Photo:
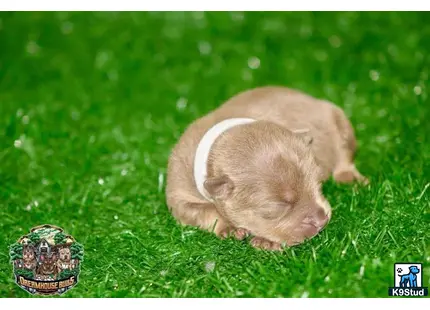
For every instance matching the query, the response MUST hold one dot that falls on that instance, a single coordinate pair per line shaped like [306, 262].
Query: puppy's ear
[305, 135]
[219, 187]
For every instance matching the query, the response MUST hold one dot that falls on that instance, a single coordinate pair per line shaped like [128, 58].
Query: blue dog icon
[410, 278]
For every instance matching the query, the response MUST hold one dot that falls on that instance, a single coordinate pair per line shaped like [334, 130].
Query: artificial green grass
[91, 104]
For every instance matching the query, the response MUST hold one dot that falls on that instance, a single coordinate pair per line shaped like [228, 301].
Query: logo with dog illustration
[46, 261]
[408, 280]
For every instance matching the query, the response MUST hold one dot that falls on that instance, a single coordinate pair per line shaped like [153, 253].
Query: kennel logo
[408, 280]
[46, 261]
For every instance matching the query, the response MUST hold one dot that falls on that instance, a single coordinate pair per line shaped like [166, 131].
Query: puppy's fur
[264, 177]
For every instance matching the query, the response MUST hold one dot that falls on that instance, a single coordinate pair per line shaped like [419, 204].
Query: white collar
[204, 147]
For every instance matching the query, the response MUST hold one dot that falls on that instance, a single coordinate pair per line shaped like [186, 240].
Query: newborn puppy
[255, 166]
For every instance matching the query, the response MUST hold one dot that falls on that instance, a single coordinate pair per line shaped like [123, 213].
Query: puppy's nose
[318, 219]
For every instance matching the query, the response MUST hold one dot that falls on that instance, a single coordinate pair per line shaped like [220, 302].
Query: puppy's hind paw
[350, 175]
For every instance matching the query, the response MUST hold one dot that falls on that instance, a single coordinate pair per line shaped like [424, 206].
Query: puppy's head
[64, 254]
[264, 178]
[51, 260]
[28, 252]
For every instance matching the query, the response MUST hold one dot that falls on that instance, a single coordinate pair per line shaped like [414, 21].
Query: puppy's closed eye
[273, 211]
[290, 196]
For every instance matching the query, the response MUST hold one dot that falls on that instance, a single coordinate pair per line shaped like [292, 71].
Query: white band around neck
[204, 147]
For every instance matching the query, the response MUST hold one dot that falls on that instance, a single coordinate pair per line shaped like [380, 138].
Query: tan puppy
[64, 259]
[262, 175]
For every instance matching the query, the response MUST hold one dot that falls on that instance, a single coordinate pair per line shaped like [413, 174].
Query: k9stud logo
[408, 280]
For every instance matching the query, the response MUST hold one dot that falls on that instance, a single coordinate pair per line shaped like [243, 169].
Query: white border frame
[393, 303]
[218, 5]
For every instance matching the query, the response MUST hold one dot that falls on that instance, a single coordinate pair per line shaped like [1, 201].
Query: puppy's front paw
[261, 243]
[238, 233]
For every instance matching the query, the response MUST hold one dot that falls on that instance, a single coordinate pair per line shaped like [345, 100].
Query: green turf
[102, 97]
